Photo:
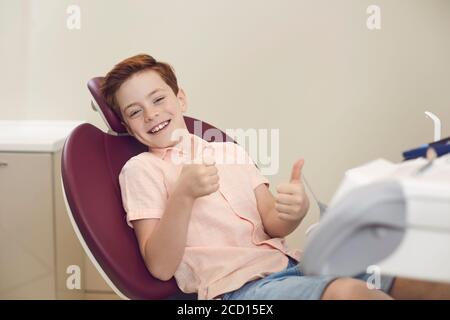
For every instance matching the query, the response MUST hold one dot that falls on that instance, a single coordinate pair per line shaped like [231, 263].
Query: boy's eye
[159, 99]
[135, 112]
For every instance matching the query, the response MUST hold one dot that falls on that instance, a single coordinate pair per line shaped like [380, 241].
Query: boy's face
[150, 109]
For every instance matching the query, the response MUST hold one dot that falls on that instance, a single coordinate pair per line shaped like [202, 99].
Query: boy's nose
[150, 114]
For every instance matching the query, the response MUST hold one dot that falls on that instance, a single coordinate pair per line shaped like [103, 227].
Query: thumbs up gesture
[291, 200]
[199, 176]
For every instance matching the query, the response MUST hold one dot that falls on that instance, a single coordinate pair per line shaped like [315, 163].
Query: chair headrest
[110, 118]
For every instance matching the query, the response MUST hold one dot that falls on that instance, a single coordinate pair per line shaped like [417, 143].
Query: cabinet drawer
[26, 226]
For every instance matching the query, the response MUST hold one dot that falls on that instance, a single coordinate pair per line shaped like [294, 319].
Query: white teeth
[159, 127]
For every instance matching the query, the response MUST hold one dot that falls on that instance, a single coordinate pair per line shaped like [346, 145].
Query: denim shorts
[292, 284]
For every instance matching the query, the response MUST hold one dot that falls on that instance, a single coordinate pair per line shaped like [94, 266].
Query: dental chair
[91, 163]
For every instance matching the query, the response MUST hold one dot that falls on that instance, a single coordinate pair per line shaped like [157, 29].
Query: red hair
[130, 66]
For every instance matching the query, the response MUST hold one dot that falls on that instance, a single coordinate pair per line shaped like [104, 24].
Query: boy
[213, 226]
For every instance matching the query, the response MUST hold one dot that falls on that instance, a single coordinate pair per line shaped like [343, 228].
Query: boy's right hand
[198, 180]
[199, 177]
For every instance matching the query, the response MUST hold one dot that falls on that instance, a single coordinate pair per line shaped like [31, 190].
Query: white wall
[339, 93]
[14, 40]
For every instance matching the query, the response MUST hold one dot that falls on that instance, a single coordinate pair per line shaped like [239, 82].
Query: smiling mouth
[159, 127]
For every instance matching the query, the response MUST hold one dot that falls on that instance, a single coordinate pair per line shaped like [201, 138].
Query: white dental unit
[394, 216]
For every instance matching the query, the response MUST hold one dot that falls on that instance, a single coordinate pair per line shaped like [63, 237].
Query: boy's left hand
[291, 200]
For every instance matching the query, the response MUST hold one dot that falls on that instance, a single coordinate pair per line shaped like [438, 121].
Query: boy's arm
[162, 241]
[282, 214]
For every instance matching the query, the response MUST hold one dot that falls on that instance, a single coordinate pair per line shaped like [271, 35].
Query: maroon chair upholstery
[110, 118]
[91, 163]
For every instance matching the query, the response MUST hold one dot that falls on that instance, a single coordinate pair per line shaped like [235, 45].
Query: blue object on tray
[441, 147]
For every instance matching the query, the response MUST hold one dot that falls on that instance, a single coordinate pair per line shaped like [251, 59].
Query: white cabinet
[27, 251]
[37, 242]
[36, 239]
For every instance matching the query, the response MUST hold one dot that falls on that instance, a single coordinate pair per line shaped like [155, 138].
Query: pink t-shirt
[226, 244]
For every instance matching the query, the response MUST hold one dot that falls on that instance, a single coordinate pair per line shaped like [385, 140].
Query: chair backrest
[91, 163]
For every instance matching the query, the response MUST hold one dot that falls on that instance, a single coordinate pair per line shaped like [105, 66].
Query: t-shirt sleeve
[143, 191]
[256, 178]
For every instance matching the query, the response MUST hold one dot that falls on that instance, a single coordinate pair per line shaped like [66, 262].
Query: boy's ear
[127, 127]
[182, 99]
